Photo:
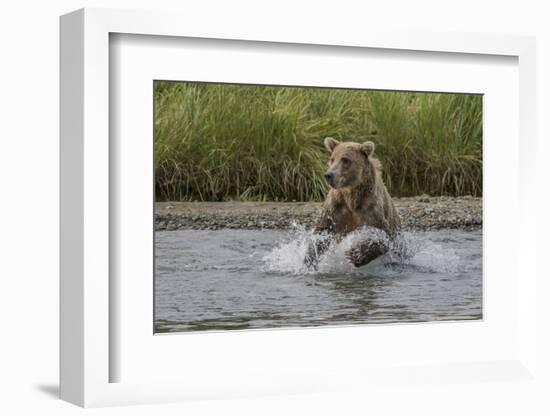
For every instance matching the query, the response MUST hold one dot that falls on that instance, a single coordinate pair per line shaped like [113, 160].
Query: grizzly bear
[358, 198]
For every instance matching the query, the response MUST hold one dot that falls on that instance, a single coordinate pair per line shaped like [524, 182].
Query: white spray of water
[410, 249]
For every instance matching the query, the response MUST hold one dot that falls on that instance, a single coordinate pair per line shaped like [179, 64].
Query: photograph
[302, 207]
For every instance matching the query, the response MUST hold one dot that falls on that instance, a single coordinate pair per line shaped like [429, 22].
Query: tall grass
[218, 142]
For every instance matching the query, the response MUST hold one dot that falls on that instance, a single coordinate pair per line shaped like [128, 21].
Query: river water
[244, 279]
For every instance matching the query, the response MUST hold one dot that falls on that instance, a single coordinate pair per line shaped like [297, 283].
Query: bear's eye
[346, 162]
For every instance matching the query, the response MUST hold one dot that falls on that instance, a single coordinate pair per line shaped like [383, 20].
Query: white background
[29, 209]
[137, 61]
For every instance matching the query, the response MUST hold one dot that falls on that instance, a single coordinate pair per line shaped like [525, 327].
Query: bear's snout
[329, 176]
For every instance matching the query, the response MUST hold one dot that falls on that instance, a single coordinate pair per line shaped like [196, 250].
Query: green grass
[217, 142]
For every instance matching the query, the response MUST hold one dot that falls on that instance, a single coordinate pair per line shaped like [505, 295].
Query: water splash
[409, 251]
[288, 256]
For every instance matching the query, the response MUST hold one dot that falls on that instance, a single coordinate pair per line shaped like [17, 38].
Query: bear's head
[350, 164]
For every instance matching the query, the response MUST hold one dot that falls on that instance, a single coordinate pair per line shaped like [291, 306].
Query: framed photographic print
[277, 212]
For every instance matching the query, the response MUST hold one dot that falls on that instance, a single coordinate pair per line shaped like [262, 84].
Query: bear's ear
[331, 143]
[367, 148]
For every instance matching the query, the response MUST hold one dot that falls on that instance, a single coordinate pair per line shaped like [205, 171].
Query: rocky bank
[417, 213]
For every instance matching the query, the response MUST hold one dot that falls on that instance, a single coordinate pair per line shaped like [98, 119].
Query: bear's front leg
[315, 250]
[366, 251]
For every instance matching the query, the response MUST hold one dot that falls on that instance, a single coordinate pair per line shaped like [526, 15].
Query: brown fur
[358, 196]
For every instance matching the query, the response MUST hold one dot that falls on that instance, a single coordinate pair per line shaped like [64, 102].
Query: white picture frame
[87, 302]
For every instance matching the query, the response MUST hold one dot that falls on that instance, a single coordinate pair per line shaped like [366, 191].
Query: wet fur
[358, 199]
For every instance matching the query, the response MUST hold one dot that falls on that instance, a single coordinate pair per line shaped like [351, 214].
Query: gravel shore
[417, 213]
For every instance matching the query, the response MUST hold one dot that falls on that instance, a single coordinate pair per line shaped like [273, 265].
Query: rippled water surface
[241, 279]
